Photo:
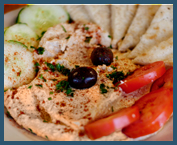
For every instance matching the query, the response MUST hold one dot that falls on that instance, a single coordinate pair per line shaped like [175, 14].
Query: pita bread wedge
[139, 25]
[78, 13]
[161, 28]
[100, 14]
[121, 18]
[161, 52]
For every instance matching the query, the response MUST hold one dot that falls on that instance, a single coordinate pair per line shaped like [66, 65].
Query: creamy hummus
[53, 115]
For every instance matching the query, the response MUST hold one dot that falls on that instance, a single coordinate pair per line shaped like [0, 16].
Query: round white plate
[13, 132]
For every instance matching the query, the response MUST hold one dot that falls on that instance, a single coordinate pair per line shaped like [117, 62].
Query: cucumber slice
[41, 17]
[23, 33]
[18, 65]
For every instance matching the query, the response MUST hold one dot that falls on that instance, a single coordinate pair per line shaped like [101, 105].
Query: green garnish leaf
[49, 98]
[109, 36]
[51, 66]
[112, 109]
[5, 90]
[31, 130]
[86, 28]
[54, 80]
[113, 67]
[9, 115]
[62, 69]
[76, 66]
[68, 37]
[110, 46]
[102, 88]
[45, 121]
[63, 28]
[116, 57]
[87, 40]
[33, 47]
[63, 86]
[42, 33]
[51, 92]
[42, 78]
[46, 137]
[38, 85]
[116, 76]
[40, 50]
[37, 67]
[30, 87]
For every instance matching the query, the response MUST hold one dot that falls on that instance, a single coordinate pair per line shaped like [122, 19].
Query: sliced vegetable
[108, 125]
[143, 76]
[18, 65]
[41, 17]
[165, 81]
[155, 110]
[22, 33]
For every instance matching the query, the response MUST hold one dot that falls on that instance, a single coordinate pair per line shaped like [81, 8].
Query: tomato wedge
[155, 109]
[143, 76]
[108, 125]
[165, 81]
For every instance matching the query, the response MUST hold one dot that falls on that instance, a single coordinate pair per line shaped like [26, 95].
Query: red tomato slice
[155, 109]
[143, 76]
[165, 81]
[108, 125]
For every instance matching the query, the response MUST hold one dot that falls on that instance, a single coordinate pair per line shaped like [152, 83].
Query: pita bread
[139, 25]
[161, 28]
[77, 13]
[100, 14]
[121, 18]
[163, 51]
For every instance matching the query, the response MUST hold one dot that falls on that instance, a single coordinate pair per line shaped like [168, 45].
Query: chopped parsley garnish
[37, 68]
[33, 47]
[112, 109]
[116, 57]
[63, 86]
[45, 121]
[116, 76]
[86, 28]
[30, 87]
[113, 67]
[31, 130]
[42, 33]
[38, 85]
[58, 67]
[87, 40]
[8, 114]
[40, 50]
[62, 69]
[109, 36]
[110, 46]
[54, 80]
[49, 98]
[46, 137]
[5, 90]
[102, 88]
[83, 78]
[76, 66]
[51, 66]
[68, 37]
[63, 28]
[42, 78]
[51, 92]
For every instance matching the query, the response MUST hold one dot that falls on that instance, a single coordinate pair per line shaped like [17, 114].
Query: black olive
[102, 55]
[82, 77]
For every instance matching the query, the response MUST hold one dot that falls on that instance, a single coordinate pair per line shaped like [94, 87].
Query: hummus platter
[90, 72]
